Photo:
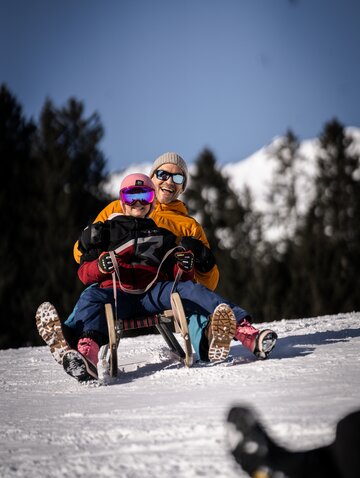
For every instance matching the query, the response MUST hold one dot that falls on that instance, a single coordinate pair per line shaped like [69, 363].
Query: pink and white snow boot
[259, 342]
[76, 365]
[81, 363]
[89, 349]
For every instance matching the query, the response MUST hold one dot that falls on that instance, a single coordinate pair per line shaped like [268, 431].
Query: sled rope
[176, 281]
[116, 274]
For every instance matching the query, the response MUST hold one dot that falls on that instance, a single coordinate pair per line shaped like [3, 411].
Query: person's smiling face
[137, 209]
[167, 191]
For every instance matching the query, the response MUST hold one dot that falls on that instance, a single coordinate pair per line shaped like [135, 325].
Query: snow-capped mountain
[257, 173]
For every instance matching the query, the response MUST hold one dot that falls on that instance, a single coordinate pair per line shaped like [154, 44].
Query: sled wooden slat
[113, 342]
[181, 323]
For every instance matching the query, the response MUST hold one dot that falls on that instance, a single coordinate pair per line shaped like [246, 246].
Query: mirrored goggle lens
[165, 175]
[131, 195]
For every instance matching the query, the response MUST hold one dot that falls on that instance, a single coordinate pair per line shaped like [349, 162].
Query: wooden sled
[163, 322]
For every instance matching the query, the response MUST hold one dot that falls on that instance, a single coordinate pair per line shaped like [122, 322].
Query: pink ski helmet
[138, 180]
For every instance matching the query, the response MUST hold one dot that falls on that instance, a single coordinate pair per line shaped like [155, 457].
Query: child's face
[137, 209]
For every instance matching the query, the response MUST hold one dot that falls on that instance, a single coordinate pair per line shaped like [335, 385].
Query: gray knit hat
[171, 158]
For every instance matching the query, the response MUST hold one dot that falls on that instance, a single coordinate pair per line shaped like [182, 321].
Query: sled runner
[182, 326]
[114, 339]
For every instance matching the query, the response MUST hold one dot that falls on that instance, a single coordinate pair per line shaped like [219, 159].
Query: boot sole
[223, 328]
[49, 327]
[265, 343]
[78, 367]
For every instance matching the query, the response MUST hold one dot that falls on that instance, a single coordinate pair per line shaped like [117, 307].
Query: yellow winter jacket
[175, 218]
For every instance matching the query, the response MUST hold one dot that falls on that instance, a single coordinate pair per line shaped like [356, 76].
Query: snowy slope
[159, 419]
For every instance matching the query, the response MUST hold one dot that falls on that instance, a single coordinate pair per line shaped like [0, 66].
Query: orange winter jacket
[175, 218]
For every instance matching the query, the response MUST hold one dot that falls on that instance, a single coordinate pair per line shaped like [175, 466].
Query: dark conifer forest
[53, 171]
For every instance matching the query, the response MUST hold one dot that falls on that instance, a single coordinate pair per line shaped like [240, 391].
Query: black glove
[203, 257]
[105, 263]
[93, 237]
[185, 260]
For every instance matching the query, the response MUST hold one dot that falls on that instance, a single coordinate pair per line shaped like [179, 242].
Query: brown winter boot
[49, 327]
[220, 332]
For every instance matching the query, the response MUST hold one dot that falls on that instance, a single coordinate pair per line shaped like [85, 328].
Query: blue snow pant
[198, 302]
[197, 324]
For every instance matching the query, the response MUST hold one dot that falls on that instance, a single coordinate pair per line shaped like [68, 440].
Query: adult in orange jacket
[170, 176]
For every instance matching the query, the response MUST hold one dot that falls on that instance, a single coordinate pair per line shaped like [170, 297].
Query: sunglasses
[162, 175]
[132, 194]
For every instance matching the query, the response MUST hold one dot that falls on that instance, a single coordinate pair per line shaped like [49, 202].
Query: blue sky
[229, 75]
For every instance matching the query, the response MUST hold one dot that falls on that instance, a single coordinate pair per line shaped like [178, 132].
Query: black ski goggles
[162, 175]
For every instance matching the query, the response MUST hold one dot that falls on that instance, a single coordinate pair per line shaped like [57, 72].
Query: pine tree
[253, 256]
[217, 207]
[16, 197]
[331, 236]
[52, 190]
[283, 191]
[281, 273]
[71, 170]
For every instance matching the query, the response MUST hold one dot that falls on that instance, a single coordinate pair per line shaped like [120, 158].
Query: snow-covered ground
[158, 419]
